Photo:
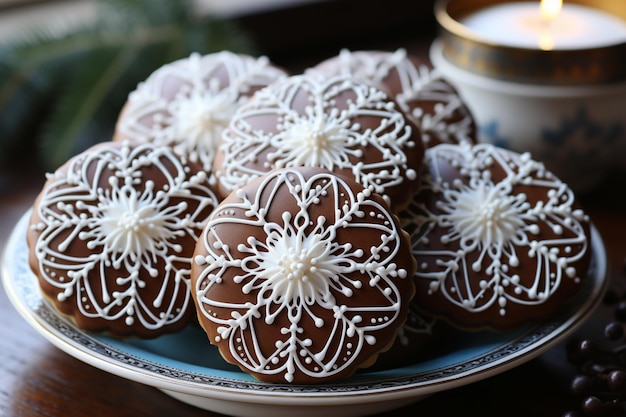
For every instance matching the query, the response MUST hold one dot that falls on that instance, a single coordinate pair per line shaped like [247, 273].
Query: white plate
[186, 367]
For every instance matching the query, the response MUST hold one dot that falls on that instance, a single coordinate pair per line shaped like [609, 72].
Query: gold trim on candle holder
[468, 50]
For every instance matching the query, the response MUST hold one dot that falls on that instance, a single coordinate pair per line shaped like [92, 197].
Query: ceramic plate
[186, 367]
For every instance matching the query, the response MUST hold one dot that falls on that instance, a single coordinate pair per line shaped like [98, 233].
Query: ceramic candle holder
[567, 107]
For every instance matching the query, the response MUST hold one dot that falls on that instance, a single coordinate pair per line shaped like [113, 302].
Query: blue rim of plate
[200, 371]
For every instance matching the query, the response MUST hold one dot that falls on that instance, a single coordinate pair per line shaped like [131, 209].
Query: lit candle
[550, 25]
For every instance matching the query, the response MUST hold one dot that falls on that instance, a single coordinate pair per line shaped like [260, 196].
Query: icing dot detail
[336, 124]
[186, 104]
[421, 92]
[304, 287]
[494, 231]
[117, 238]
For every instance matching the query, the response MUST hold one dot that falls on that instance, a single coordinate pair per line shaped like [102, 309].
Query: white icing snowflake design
[490, 226]
[422, 93]
[300, 274]
[187, 104]
[108, 235]
[448, 121]
[371, 66]
[302, 121]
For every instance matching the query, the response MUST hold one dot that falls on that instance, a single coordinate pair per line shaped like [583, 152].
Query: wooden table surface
[38, 379]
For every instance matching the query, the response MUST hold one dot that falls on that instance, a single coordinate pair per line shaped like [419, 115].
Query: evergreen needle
[61, 90]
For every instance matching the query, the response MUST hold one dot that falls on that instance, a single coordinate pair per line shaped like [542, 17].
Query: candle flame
[550, 9]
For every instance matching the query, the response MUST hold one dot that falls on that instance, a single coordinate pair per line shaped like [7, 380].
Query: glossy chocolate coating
[301, 277]
[111, 236]
[430, 101]
[499, 241]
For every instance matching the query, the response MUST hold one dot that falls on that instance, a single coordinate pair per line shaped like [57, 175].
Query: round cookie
[111, 237]
[347, 127]
[302, 276]
[431, 102]
[187, 103]
[500, 242]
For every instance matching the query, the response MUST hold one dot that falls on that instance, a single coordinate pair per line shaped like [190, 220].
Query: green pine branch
[61, 92]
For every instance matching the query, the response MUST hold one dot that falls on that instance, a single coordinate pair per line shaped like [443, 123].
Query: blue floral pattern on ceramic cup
[578, 142]
[577, 131]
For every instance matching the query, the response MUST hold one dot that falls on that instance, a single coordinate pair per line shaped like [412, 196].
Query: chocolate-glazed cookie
[500, 242]
[347, 127]
[431, 102]
[302, 276]
[111, 237]
[187, 103]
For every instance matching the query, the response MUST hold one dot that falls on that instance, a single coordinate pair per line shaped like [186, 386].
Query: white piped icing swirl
[187, 103]
[430, 101]
[343, 126]
[112, 234]
[499, 240]
[302, 276]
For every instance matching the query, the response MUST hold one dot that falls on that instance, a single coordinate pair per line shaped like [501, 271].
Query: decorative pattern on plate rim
[24, 284]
